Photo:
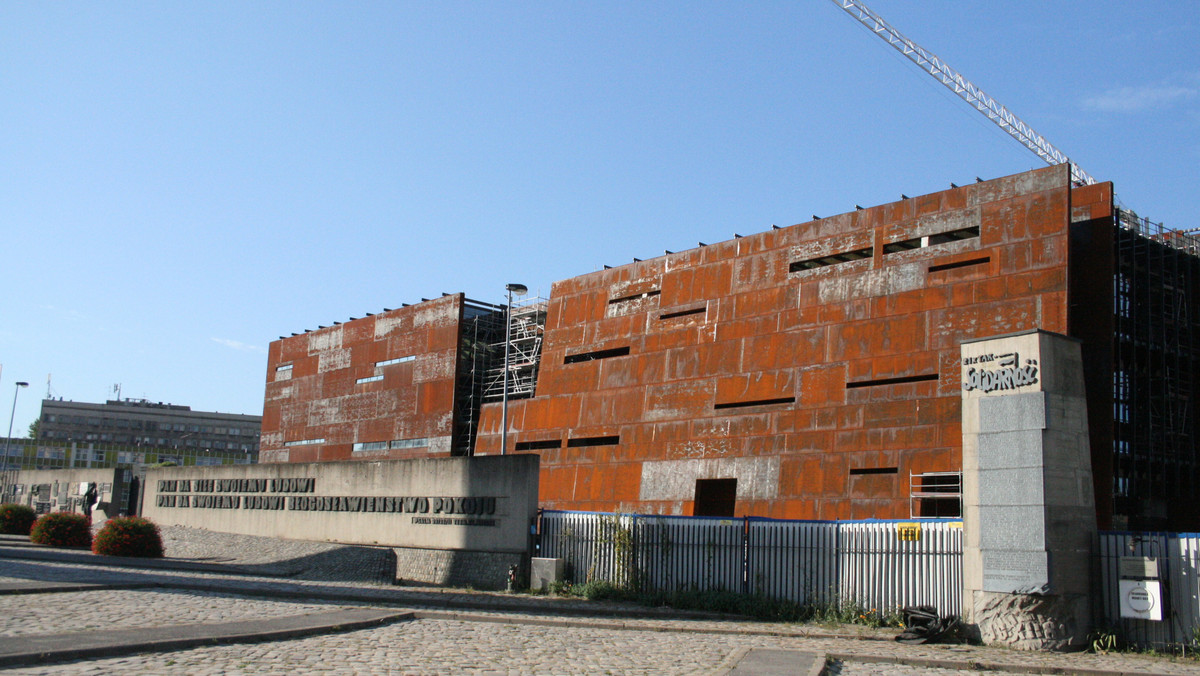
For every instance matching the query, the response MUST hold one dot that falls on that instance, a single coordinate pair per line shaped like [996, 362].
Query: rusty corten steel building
[808, 372]
[384, 386]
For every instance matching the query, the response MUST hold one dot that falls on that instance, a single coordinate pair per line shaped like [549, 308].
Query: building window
[283, 367]
[830, 259]
[397, 360]
[715, 497]
[369, 379]
[370, 446]
[935, 495]
[304, 442]
[410, 443]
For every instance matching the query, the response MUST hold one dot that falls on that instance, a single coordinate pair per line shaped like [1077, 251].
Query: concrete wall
[819, 387]
[1029, 515]
[314, 394]
[475, 504]
[58, 490]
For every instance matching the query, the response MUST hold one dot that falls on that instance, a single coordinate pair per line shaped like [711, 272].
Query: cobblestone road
[23, 615]
[502, 639]
[447, 647]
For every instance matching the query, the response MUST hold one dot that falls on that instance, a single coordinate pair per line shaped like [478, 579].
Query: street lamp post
[518, 290]
[8, 439]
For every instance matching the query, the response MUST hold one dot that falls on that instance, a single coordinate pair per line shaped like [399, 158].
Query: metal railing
[1178, 558]
[884, 565]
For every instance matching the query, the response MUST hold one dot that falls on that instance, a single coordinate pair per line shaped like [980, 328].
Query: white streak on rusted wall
[872, 283]
[437, 314]
[387, 324]
[433, 366]
[324, 339]
[440, 445]
[853, 241]
[757, 478]
[333, 359]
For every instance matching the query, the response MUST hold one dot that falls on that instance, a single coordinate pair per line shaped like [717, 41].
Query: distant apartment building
[141, 423]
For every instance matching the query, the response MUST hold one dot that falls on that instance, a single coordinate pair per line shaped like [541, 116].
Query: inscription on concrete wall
[994, 372]
[249, 495]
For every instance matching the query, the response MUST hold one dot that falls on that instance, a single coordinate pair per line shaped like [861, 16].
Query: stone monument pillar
[1028, 509]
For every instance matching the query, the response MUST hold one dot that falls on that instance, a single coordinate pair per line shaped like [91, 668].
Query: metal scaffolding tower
[1156, 292]
[527, 324]
[482, 327]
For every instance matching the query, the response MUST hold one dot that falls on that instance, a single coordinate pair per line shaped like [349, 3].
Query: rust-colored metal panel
[823, 346]
[341, 390]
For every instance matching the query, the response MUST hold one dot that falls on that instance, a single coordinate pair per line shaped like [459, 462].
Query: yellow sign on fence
[908, 531]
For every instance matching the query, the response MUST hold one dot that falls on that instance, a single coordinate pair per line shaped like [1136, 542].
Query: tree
[33, 428]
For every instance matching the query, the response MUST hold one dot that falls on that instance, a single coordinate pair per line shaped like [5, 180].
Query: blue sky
[182, 183]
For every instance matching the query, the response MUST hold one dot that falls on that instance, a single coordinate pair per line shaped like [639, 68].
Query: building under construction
[810, 371]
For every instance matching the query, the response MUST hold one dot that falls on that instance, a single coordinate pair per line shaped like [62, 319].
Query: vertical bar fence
[1178, 557]
[884, 565]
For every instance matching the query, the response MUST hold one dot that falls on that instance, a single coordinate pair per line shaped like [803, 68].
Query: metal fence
[1178, 558]
[883, 565]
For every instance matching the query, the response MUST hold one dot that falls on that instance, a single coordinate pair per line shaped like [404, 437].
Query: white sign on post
[1141, 599]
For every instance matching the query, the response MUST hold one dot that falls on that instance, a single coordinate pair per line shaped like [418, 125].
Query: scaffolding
[1155, 362]
[482, 327]
[527, 322]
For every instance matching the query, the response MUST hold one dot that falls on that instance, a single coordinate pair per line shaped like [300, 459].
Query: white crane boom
[963, 87]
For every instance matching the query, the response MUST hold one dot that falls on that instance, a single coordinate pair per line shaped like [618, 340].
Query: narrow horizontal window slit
[683, 313]
[923, 378]
[636, 296]
[831, 259]
[538, 445]
[756, 402]
[597, 354]
[593, 441]
[873, 470]
[960, 264]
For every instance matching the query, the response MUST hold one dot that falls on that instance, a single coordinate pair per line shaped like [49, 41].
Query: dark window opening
[930, 240]
[596, 354]
[959, 264]
[636, 296]
[715, 497]
[757, 402]
[538, 445]
[831, 259]
[873, 470]
[923, 378]
[683, 313]
[936, 495]
[593, 441]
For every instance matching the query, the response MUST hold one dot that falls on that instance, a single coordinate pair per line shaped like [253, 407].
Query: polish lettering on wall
[998, 372]
[265, 495]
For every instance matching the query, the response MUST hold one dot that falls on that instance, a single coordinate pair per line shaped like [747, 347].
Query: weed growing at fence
[749, 605]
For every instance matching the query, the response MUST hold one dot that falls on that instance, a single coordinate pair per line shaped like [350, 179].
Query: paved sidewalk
[446, 631]
[109, 641]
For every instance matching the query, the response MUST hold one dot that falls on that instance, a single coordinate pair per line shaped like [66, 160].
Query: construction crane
[964, 88]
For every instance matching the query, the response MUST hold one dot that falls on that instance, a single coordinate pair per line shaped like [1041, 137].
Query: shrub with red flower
[16, 519]
[129, 536]
[62, 529]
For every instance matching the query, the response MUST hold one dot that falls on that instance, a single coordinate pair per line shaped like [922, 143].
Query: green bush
[62, 529]
[129, 536]
[16, 519]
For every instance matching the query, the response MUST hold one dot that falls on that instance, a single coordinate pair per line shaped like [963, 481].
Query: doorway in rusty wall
[715, 497]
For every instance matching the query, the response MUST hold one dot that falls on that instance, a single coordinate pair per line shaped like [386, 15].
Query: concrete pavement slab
[108, 643]
[771, 662]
